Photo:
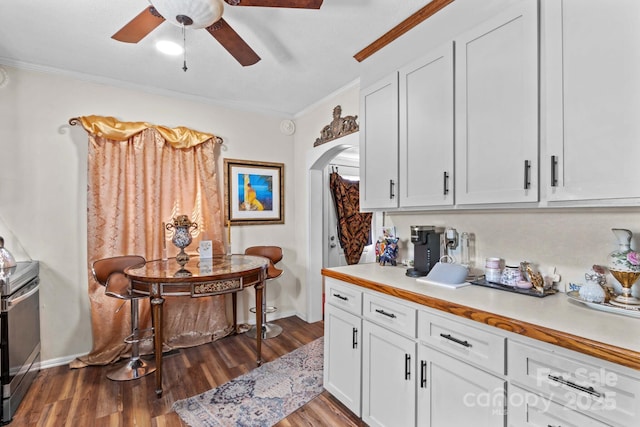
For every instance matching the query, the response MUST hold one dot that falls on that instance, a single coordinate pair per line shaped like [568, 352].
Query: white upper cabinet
[496, 109]
[426, 130]
[591, 100]
[379, 144]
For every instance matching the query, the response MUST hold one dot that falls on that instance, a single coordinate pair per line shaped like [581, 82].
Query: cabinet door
[379, 144]
[388, 378]
[342, 356]
[453, 393]
[497, 109]
[426, 130]
[592, 99]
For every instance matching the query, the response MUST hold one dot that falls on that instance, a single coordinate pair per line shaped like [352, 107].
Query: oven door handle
[13, 301]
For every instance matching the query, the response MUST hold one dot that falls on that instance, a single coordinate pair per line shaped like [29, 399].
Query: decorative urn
[182, 227]
[624, 265]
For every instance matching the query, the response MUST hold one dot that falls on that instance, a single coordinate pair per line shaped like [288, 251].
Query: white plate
[633, 311]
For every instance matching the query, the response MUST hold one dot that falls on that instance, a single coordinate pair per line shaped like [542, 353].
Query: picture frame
[253, 192]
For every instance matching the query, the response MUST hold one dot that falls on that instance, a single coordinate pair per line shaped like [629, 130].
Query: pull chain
[184, 43]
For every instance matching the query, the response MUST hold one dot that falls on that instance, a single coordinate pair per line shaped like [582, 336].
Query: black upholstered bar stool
[109, 272]
[274, 254]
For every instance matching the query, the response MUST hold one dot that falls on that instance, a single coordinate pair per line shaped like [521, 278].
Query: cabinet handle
[589, 390]
[341, 297]
[391, 315]
[527, 169]
[456, 340]
[554, 166]
[407, 366]
[446, 182]
[355, 337]
[391, 185]
[423, 374]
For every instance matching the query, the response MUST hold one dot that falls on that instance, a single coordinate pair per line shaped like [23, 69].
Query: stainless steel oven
[19, 333]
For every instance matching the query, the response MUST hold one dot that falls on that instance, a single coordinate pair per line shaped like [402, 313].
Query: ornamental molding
[339, 126]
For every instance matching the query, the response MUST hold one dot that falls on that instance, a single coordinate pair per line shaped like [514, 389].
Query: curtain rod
[76, 121]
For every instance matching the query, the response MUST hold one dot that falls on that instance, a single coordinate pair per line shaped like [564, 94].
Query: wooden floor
[85, 397]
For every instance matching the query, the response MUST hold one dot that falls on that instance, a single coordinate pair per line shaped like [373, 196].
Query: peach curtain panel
[134, 185]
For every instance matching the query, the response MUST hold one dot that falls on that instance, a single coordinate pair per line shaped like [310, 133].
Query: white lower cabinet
[528, 409]
[388, 377]
[454, 393]
[343, 356]
[396, 363]
[576, 382]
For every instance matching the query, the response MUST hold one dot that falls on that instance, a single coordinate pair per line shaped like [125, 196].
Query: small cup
[511, 275]
[493, 275]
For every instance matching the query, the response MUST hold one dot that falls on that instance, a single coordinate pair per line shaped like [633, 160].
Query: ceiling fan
[203, 14]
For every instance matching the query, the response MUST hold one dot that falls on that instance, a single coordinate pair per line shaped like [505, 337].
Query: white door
[592, 99]
[342, 356]
[426, 130]
[379, 144]
[388, 378]
[497, 109]
[453, 393]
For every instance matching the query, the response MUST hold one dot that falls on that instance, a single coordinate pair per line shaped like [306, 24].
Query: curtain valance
[111, 128]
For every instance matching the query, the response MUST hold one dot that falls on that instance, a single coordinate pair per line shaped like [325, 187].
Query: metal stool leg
[135, 367]
[269, 330]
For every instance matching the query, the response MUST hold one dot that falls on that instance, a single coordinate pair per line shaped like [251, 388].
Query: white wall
[309, 123]
[572, 240]
[43, 188]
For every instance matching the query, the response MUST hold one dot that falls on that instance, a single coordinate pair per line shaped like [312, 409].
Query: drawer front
[385, 312]
[527, 409]
[473, 345]
[581, 383]
[342, 295]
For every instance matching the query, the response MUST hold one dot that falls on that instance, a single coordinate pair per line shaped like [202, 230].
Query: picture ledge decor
[253, 192]
[339, 126]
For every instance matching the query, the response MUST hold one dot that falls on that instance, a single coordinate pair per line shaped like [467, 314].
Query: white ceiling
[306, 54]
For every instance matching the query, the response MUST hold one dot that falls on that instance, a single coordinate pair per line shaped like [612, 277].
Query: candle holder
[182, 228]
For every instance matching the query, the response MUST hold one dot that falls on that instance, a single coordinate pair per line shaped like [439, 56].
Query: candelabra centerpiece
[182, 228]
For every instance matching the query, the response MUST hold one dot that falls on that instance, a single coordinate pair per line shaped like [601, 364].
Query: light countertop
[555, 319]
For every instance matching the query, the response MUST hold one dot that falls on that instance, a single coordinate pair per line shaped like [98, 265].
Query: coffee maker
[428, 247]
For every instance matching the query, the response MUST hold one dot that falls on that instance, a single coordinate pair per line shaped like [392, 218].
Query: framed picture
[254, 192]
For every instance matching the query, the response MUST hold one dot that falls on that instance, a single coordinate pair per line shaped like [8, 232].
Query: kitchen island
[516, 346]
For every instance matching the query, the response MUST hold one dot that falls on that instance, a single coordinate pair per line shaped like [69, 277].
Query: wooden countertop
[555, 319]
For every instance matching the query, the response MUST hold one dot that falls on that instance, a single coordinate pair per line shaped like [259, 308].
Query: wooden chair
[274, 254]
[109, 272]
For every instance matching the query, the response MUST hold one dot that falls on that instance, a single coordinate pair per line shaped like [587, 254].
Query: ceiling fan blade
[234, 44]
[139, 26]
[300, 4]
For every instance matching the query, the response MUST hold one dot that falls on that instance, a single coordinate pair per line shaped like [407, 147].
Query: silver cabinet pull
[554, 174]
[527, 170]
[561, 380]
[391, 186]
[384, 313]
[455, 340]
[446, 182]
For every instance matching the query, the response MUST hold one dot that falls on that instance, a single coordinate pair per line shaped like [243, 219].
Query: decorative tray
[631, 310]
[531, 291]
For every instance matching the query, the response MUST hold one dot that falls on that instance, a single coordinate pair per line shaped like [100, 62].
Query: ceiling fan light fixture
[202, 12]
[169, 48]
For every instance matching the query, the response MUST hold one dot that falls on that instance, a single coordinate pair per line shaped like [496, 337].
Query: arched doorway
[316, 163]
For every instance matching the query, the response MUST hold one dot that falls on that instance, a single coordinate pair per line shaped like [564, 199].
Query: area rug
[262, 397]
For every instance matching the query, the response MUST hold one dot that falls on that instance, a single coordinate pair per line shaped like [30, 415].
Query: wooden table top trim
[614, 354]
